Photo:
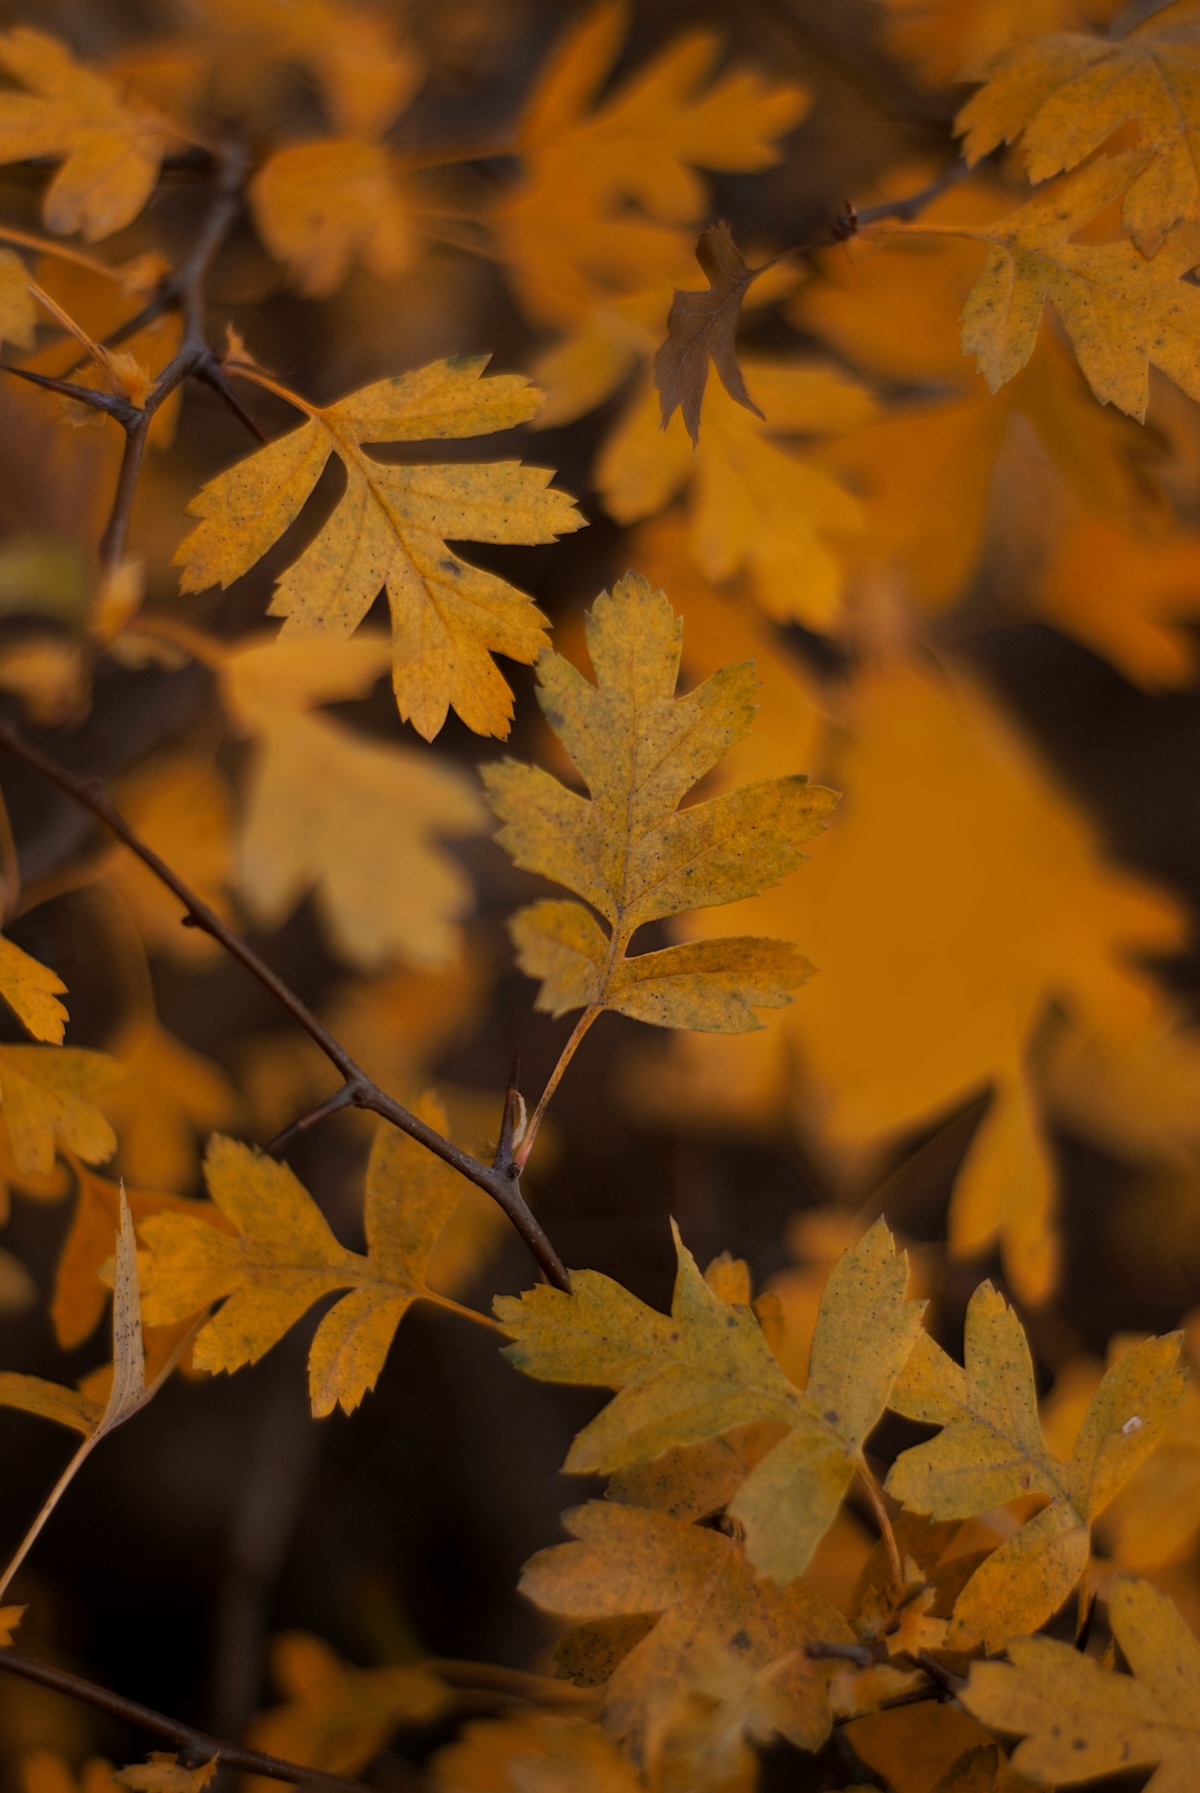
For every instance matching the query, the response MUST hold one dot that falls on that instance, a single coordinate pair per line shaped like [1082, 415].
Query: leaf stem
[464, 1313]
[503, 1184]
[521, 1155]
[874, 1494]
[24, 239]
[48, 1505]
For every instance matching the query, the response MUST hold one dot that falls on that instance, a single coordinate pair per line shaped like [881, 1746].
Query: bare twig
[861, 1655]
[504, 1186]
[199, 1746]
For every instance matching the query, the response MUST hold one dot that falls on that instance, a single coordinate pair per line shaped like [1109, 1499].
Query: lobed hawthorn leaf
[704, 1598]
[1080, 1720]
[32, 990]
[319, 206]
[535, 1753]
[389, 529]
[609, 180]
[1122, 312]
[266, 1252]
[109, 149]
[1063, 95]
[337, 1717]
[708, 1370]
[704, 325]
[49, 1096]
[991, 1450]
[629, 850]
[357, 820]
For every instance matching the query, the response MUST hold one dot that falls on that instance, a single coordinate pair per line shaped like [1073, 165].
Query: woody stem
[502, 1183]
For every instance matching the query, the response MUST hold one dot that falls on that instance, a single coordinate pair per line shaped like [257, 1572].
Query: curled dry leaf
[704, 325]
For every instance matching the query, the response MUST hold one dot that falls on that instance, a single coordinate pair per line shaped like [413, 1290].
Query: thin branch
[213, 374]
[114, 405]
[342, 1098]
[199, 1746]
[503, 1186]
[116, 531]
[850, 221]
[861, 1655]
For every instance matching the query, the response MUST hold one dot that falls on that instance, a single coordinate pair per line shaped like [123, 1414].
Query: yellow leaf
[991, 1449]
[571, 226]
[356, 820]
[275, 1255]
[1121, 312]
[168, 1095]
[955, 40]
[755, 504]
[708, 1370]
[163, 1773]
[47, 673]
[942, 943]
[1127, 598]
[926, 470]
[10, 1618]
[42, 1771]
[32, 990]
[321, 205]
[337, 1717]
[49, 1095]
[1080, 1720]
[1063, 96]
[533, 1753]
[630, 1561]
[366, 75]
[80, 1294]
[50, 1400]
[447, 617]
[914, 1746]
[628, 849]
[109, 150]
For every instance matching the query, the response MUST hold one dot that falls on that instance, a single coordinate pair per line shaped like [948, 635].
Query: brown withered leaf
[704, 325]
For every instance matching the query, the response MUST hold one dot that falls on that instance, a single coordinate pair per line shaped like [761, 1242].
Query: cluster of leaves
[970, 931]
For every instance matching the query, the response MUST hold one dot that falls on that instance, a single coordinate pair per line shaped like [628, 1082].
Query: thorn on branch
[112, 404]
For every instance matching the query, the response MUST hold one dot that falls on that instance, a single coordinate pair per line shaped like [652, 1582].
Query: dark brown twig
[199, 1747]
[112, 404]
[503, 1185]
[861, 1655]
[194, 358]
